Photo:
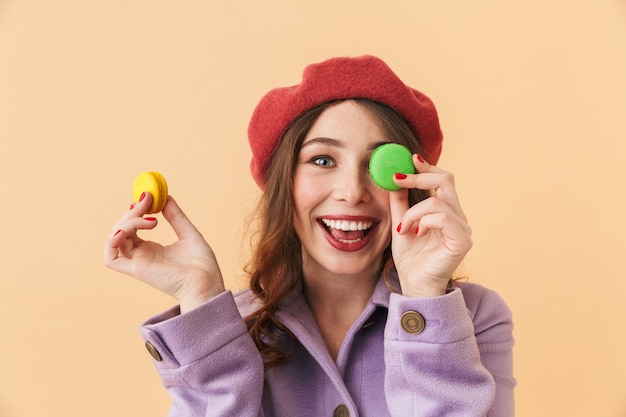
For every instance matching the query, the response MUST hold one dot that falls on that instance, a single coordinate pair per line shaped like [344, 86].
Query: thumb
[180, 223]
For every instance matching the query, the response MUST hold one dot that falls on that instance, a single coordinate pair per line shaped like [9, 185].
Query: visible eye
[323, 161]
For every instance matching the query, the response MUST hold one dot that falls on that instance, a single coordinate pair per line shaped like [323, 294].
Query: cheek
[301, 193]
[382, 200]
[305, 198]
[308, 190]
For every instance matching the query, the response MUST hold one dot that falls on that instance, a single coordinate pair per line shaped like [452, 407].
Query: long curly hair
[275, 266]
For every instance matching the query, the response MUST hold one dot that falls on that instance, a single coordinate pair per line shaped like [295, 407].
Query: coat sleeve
[460, 364]
[207, 360]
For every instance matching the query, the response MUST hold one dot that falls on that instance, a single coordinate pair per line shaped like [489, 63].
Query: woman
[352, 309]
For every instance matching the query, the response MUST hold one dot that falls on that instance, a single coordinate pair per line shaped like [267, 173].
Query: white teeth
[347, 225]
[349, 241]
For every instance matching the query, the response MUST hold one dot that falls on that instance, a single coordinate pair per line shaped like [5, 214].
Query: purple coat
[459, 365]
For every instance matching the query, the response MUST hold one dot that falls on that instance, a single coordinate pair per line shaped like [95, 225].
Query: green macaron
[387, 160]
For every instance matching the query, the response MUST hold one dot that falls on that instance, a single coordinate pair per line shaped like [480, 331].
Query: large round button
[413, 322]
[153, 352]
[341, 411]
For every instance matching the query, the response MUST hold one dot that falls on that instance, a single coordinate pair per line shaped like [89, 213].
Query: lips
[347, 234]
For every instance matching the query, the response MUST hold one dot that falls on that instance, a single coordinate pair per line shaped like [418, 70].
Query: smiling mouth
[347, 231]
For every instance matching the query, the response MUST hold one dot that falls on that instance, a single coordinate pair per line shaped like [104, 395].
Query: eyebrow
[338, 143]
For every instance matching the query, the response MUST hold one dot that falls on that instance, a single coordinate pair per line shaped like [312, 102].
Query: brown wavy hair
[275, 266]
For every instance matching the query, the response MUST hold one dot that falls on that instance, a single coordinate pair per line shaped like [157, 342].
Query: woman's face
[341, 217]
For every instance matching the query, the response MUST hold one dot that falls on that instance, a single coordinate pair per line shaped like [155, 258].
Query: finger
[180, 223]
[141, 207]
[121, 264]
[115, 255]
[398, 206]
[137, 209]
[456, 237]
[124, 239]
[430, 177]
[430, 206]
[131, 225]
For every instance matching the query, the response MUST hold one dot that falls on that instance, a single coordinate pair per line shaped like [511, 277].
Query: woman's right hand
[187, 269]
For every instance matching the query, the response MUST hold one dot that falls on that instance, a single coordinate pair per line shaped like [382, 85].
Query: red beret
[365, 77]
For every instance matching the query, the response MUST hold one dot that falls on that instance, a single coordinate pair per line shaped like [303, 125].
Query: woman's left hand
[430, 239]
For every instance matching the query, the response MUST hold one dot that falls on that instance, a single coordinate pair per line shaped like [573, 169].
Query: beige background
[532, 98]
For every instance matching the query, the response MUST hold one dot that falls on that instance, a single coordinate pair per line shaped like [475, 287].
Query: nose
[353, 185]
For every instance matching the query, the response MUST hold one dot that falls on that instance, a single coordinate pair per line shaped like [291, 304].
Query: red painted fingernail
[399, 227]
[417, 230]
[143, 195]
[399, 176]
[132, 206]
[419, 158]
[152, 219]
[118, 232]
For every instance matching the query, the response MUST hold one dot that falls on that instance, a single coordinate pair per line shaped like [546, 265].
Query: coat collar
[379, 298]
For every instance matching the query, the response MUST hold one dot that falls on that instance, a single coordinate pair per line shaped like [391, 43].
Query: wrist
[192, 301]
[424, 293]
[424, 290]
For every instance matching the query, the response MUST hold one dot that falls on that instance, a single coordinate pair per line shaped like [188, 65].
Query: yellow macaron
[153, 183]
